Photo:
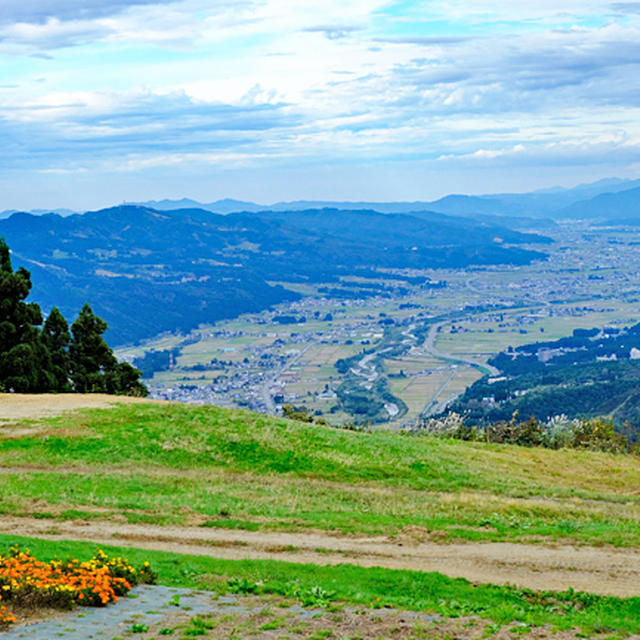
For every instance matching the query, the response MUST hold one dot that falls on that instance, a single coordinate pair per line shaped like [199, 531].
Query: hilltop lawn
[184, 464]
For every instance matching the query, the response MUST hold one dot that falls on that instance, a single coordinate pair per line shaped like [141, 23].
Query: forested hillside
[149, 271]
[619, 208]
[591, 373]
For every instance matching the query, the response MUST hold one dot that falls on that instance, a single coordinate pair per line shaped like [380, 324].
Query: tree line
[47, 356]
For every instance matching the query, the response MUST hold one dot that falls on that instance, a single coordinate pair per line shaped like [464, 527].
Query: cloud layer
[188, 93]
[40, 11]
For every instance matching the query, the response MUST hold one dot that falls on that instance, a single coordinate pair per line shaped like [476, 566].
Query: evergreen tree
[125, 379]
[93, 367]
[51, 360]
[89, 354]
[25, 365]
[56, 337]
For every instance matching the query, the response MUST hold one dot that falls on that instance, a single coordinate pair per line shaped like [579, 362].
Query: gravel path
[16, 407]
[145, 605]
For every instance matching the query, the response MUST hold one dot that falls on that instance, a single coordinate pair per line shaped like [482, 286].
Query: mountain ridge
[616, 207]
[189, 266]
[530, 205]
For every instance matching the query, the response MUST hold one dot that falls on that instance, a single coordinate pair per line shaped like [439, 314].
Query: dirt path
[598, 570]
[18, 406]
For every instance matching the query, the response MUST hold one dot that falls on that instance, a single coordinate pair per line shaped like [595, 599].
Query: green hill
[165, 463]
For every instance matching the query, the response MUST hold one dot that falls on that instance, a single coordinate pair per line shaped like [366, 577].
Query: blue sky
[103, 101]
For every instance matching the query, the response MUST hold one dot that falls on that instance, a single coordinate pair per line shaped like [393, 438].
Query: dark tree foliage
[94, 368]
[24, 361]
[34, 360]
[153, 361]
[124, 379]
[91, 358]
[56, 337]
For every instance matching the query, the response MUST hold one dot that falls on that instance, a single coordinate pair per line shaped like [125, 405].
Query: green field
[484, 336]
[184, 464]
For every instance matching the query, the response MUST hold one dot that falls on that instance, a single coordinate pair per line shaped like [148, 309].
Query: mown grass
[179, 464]
[430, 592]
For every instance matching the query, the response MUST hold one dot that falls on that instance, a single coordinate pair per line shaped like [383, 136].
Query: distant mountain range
[622, 207]
[147, 271]
[7, 213]
[611, 198]
[525, 210]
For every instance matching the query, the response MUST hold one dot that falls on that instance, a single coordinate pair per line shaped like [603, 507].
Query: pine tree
[56, 337]
[125, 379]
[90, 356]
[51, 360]
[92, 365]
[25, 365]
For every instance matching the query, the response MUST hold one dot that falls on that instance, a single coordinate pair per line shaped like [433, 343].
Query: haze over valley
[358, 313]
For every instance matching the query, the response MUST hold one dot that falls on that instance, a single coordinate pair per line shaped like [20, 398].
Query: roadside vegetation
[209, 466]
[559, 432]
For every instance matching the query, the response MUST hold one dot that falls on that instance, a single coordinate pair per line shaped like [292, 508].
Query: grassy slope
[177, 463]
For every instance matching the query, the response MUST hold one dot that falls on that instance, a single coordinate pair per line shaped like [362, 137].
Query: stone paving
[148, 605]
[144, 605]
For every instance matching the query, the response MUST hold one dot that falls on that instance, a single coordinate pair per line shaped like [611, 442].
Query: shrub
[529, 433]
[448, 426]
[560, 431]
[598, 434]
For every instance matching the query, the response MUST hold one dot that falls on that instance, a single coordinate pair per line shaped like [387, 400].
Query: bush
[530, 434]
[598, 434]
[560, 431]
[448, 426]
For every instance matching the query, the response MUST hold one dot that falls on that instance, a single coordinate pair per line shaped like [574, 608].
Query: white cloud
[158, 84]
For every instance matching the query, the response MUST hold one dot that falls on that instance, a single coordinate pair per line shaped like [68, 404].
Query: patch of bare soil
[273, 620]
[15, 407]
[606, 571]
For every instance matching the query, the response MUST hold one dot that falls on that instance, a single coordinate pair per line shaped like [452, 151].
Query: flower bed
[26, 582]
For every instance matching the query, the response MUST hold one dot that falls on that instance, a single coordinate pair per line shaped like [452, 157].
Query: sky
[104, 101]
